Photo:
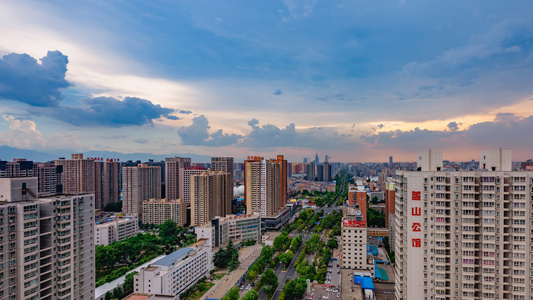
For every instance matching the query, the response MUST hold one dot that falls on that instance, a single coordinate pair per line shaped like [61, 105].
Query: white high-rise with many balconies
[464, 234]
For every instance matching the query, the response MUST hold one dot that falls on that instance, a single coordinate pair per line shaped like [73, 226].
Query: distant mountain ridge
[9, 153]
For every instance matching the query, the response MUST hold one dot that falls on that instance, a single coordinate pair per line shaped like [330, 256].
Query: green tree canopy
[251, 295]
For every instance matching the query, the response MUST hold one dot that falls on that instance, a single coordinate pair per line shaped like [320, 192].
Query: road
[291, 271]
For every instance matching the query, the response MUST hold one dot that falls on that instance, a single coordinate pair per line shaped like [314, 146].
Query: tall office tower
[224, 164]
[311, 171]
[464, 234]
[326, 159]
[390, 161]
[49, 179]
[157, 211]
[172, 175]
[357, 197]
[139, 184]
[390, 199]
[289, 169]
[210, 196]
[317, 160]
[265, 186]
[107, 182]
[46, 244]
[17, 168]
[327, 172]
[320, 172]
[305, 160]
[78, 174]
[185, 182]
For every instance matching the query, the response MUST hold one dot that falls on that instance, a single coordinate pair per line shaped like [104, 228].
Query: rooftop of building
[169, 260]
[198, 244]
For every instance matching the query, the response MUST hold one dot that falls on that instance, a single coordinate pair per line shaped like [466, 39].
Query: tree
[233, 294]
[280, 241]
[168, 231]
[202, 286]
[114, 206]
[117, 293]
[219, 259]
[251, 275]
[128, 283]
[332, 243]
[108, 295]
[251, 295]
[269, 278]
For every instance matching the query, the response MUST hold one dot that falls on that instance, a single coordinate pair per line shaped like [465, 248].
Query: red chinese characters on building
[416, 227]
[416, 195]
[416, 211]
[417, 243]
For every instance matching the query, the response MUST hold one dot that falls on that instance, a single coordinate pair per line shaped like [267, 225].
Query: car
[338, 295]
[339, 271]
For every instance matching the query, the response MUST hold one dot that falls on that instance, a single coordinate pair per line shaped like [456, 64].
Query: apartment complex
[49, 175]
[46, 244]
[185, 181]
[139, 184]
[172, 176]
[237, 228]
[224, 164]
[464, 234]
[157, 211]
[354, 242]
[116, 229]
[210, 196]
[176, 272]
[265, 185]
[108, 179]
[78, 174]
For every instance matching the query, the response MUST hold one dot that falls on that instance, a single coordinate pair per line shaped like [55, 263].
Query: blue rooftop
[170, 259]
[366, 282]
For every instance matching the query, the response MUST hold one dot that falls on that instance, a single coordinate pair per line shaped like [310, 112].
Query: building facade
[108, 180]
[464, 234]
[175, 273]
[224, 164]
[354, 242]
[265, 185]
[157, 211]
[172, 176]
[210, 196]
[139, 184]
[78, 174]
[46, 244]
[118, 229]
[238, 228]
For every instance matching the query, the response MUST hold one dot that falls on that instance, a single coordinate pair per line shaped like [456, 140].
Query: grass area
[198, 294]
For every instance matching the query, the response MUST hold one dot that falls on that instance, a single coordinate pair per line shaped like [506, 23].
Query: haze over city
[359, 81]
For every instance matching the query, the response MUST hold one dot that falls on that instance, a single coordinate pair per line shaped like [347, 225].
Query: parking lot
[325, 292]
[333, 276]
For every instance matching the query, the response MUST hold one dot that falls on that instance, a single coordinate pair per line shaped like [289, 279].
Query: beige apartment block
[139, 184]
[464, 234]
[157, 211]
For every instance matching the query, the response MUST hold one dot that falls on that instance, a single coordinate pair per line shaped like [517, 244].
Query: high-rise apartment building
[172, 176]
[158, 211]
[464, 234]
[265, 185]
[49, 179]
[78, 175]
[311, 171]
[139, 184]
[46, 244]
[224, 164]
[185, 176]
[390, 199]
[17, 168]
[210, 196]
[107, 181]
[327, 172]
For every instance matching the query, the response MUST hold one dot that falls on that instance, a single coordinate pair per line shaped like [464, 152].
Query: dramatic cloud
[506, 130]
[108, 112]
[278, 92]
[197, 134]
[25, 80]
[24, 134]
[141, 141]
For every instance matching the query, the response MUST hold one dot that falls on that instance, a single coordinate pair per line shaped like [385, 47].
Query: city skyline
[356, 81]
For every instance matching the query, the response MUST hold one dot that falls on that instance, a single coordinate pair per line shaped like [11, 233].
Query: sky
[355, 80]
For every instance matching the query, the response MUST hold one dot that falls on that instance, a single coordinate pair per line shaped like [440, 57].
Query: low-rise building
[176, 272]
[116, 229]
[157, 211]
[238, 228]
